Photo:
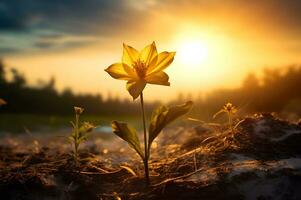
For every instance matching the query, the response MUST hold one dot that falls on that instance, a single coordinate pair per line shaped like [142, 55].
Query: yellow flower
[140, 68]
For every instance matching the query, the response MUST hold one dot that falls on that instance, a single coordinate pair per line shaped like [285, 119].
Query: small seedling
[140, 68]
[230, 110]
[79, 133]
[227, 139]
[36, 144]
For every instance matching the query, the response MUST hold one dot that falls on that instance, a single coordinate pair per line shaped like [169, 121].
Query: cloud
[104, 16]
[54, 19]
[68, 16]
[44, 44]
[62, 42]
[50, 35]
[285, 16]
[42, 22]
[8, 50]
[7, 19]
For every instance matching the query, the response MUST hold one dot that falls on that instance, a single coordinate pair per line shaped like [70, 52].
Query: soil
[261, 159]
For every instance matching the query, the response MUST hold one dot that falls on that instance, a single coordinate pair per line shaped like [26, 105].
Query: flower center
[140, 68]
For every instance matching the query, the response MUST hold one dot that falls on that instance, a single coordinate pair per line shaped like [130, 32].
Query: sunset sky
[217, 41]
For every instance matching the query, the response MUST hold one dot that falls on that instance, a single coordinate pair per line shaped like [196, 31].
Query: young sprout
[79, 132]
[139, 68]
[226, 139]
[230, 110]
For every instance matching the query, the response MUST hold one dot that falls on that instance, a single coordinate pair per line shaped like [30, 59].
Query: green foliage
[79, 132]
[161, 117]
[128, 134]
[79, 135]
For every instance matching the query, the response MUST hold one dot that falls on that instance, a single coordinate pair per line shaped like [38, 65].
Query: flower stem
[230, 123]
[76, 140]
[145, 141]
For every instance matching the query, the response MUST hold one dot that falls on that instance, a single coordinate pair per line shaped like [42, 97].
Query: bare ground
[261, 160]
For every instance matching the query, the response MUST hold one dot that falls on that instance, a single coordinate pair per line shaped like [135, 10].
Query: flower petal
[130, 55]
[135, 88]
[121, 71]
[159, 78]
[149, 53]
[164, 60]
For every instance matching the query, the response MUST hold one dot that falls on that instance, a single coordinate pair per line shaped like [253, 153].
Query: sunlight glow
[192, 52]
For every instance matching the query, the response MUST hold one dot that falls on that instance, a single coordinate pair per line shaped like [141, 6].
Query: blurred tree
[251, 82]
[18, 79]
[280, 90]
[2, 73]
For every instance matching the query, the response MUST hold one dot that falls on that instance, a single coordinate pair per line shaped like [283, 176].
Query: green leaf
[86, 127]
[129, 134]
[162, 116]
[82, 138]
[71, 139]
[72, 123]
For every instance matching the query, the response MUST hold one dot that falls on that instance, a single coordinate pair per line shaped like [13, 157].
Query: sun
[198, 53]
[192, 52]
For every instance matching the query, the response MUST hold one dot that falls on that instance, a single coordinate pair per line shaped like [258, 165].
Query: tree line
[278, 90]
